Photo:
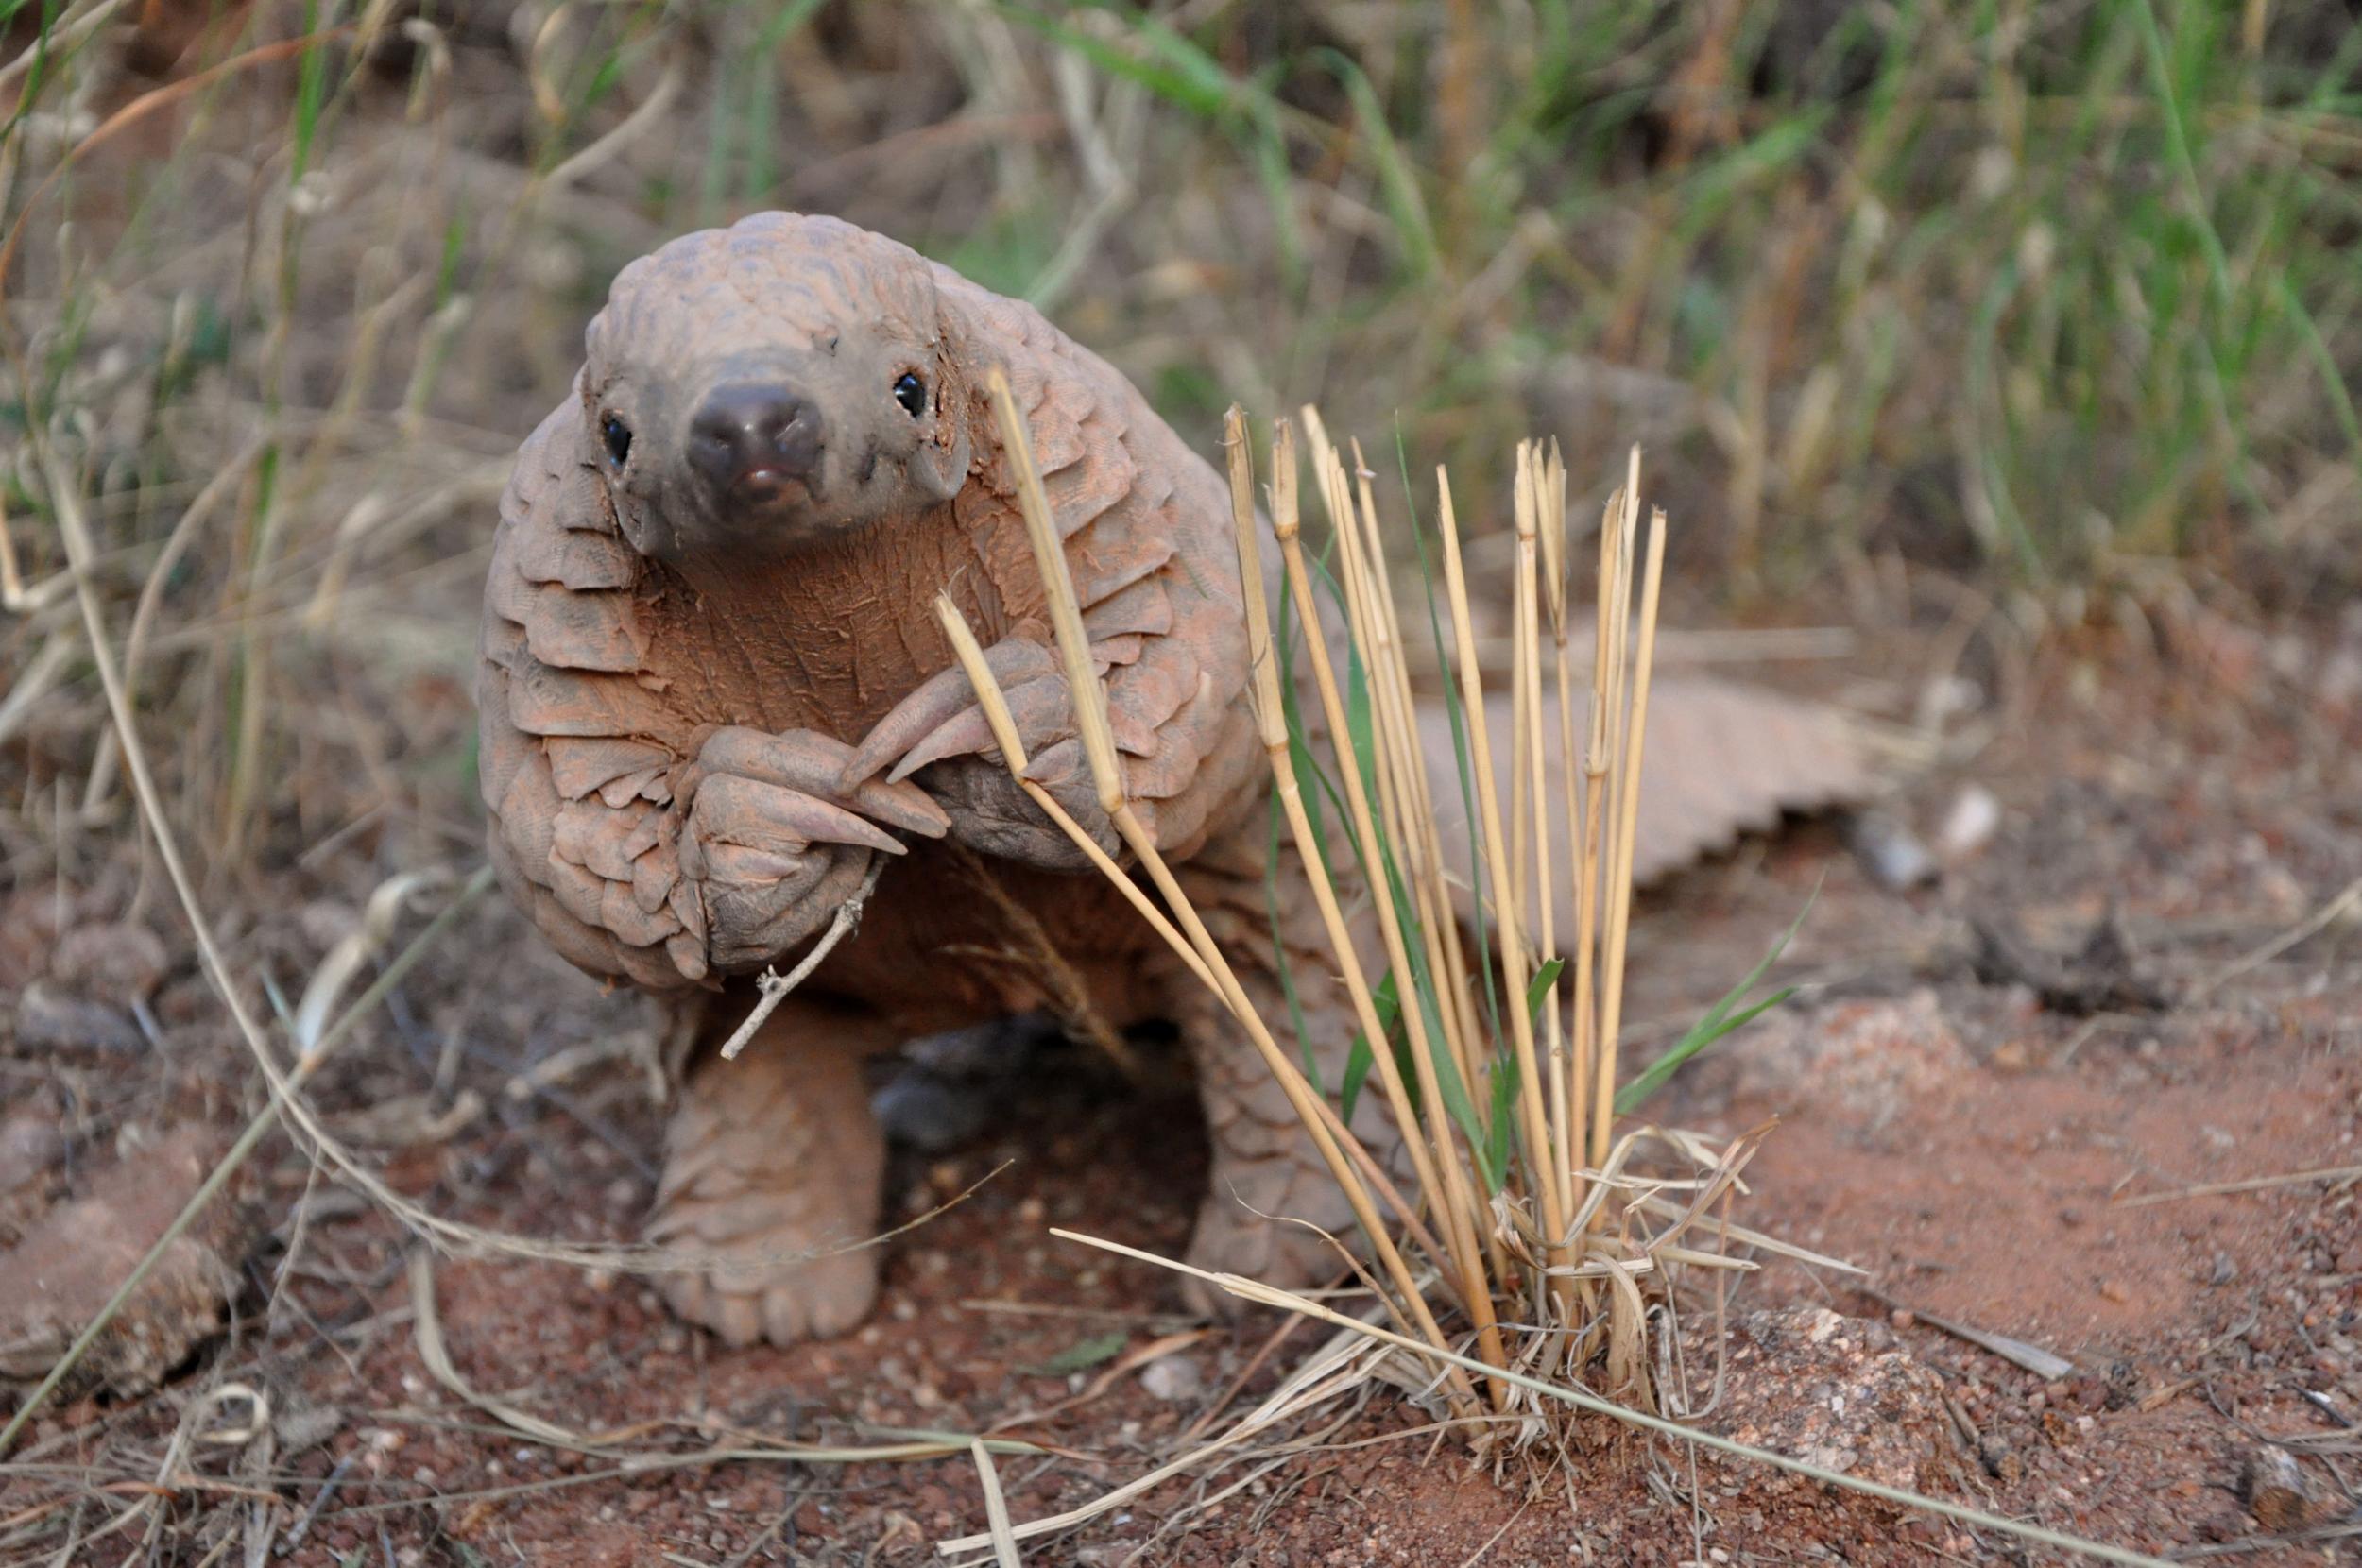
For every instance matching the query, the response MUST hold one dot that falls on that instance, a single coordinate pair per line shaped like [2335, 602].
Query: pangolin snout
[750, 441]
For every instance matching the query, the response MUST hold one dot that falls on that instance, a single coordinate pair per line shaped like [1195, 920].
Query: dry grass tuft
[1533, 1276]
[1547, 1240]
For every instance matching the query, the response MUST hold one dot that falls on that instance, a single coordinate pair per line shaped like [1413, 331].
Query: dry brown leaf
[1722, 759]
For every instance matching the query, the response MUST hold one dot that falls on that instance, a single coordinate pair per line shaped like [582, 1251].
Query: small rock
[2281, 1493]
[50, 1018]
[1890, 852]
[1841, 1392]
[54, 1282]
[1870, 1059]
[1172, 1378]
[117, 961]
[30, 1148]
[303, 1427]
[1969, 824]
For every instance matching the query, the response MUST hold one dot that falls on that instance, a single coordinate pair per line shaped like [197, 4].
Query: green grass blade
[1719, 1021]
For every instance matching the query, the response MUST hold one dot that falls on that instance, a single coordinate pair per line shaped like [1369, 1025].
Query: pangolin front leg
[770, 852]
[1183, 744]
[773, 1164]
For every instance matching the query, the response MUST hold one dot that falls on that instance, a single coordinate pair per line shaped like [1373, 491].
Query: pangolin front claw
[758, 815]
[811, 763]
[938, 700]
[1040, 708]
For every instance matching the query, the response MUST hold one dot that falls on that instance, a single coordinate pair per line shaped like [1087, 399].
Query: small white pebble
[1172, 1378]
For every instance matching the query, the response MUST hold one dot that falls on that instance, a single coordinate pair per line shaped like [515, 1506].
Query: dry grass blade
[427, 1328]
[2341, 907]
[995, 1507]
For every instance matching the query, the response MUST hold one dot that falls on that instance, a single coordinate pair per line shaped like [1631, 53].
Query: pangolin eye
[618, 437]
[911, 393]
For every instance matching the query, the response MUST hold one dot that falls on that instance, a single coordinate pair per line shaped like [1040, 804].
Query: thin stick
[1066, 614]
[2253, 1183]
[1603, 765]
[1587, 847]
[2319, 920]
[1555, 1157]
[774, 988]
[1521, 631]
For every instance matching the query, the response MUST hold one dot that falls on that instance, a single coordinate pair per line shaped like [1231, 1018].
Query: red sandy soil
[1984, 1158]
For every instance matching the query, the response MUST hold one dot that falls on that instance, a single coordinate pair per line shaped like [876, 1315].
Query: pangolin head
[760, 388]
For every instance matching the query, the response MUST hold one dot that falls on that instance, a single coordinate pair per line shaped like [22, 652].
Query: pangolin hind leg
[1267, 1173]
[772, 1162]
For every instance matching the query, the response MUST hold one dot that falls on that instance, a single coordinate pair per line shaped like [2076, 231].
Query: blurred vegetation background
[2054, 299]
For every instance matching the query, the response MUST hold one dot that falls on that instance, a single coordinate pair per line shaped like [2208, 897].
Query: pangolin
[713, 689]
[714, 696]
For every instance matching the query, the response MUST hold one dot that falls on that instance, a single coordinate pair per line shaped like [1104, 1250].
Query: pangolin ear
[941, 471]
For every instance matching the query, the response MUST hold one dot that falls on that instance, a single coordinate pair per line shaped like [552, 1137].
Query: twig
[774, 987]
[2033, 1358]
[2252, 1183]
[2321, 918]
